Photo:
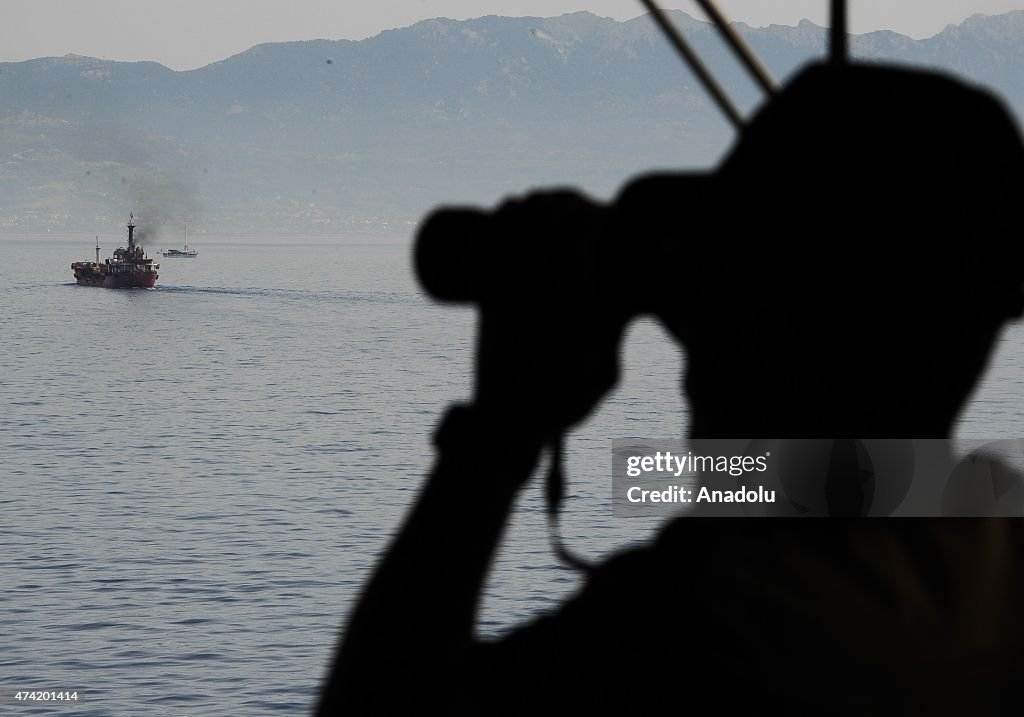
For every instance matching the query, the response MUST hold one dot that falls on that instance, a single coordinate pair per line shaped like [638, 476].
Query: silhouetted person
[845, 272]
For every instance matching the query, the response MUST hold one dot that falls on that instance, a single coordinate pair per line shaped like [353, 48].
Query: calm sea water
[196, 479]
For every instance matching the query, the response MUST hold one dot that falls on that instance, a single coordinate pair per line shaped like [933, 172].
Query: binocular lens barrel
[448, 252]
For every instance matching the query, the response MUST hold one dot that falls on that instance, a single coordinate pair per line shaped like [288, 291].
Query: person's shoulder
[804, 609]
[637, 620]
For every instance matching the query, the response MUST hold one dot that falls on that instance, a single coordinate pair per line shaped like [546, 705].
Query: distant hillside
[333, 137]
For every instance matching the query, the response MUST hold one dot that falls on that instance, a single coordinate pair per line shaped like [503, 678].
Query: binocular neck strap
[555, 494]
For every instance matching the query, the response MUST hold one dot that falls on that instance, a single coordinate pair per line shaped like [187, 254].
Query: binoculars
[559, 241]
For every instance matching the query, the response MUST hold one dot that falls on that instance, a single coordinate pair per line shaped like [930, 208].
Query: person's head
[866, 248]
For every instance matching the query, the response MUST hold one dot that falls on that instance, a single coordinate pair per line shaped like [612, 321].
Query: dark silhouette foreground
[845, 272]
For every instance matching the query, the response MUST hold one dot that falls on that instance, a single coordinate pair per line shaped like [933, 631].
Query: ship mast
[97, 250]
[131, 233]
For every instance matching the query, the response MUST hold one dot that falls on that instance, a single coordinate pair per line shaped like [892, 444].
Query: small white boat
[178, 253]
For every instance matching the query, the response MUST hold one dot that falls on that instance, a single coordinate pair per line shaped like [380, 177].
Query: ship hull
[138, 281]
[89, 276]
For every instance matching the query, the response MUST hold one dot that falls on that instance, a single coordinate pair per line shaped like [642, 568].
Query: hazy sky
[184, 34]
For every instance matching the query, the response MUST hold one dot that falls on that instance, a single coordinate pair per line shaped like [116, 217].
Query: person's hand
[549, 333]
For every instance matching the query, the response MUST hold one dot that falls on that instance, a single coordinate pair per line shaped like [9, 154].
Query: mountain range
[336, 138]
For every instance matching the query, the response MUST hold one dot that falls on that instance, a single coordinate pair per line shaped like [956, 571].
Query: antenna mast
[694, 63]
[837, 35]
[742, 50]
[732, 38]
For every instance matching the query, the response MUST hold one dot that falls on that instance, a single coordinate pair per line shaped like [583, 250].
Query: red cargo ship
[129, 268]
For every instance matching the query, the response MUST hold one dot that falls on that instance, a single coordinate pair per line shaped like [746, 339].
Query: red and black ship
[129, 268]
